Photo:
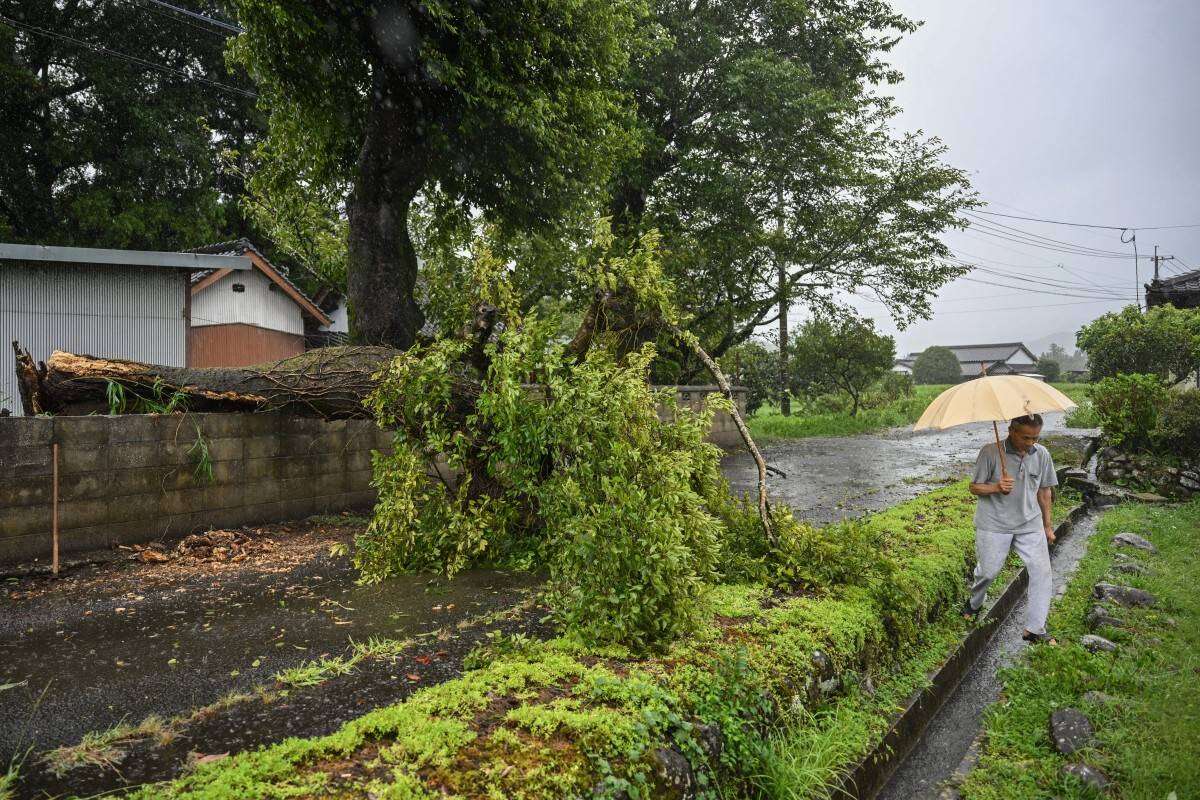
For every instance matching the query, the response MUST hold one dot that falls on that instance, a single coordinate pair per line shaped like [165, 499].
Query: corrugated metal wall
[104, 310]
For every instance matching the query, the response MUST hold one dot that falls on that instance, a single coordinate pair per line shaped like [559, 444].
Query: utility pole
[1157, 258]
[785, 402]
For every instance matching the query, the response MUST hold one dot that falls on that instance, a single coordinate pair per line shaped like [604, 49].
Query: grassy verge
[1148, 735]
[773, 694]
[768, 423]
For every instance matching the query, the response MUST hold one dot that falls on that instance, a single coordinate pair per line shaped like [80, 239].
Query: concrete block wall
[133, 479]
[724, 432]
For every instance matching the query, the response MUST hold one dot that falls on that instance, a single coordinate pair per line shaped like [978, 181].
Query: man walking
[1015, 491]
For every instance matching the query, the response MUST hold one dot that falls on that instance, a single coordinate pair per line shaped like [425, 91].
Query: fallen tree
[329, 382]
[560, 453]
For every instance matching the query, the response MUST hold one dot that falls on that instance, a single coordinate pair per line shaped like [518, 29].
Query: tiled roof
[1187, 282]
[977, 353]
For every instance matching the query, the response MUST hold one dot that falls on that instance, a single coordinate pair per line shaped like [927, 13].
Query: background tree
[770, 167]
[100, 149]
[845, 354]
[755, 366]
[510, 107]
[1163, 341]
[937, 365]
[1049, 368]
[1066, 360]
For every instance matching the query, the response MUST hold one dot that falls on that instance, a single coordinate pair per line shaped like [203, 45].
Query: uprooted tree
[514, 445]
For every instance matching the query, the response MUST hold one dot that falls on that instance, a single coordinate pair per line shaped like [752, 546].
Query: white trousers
[991, 550]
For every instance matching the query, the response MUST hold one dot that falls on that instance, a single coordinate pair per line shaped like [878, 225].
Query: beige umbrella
[992, 399]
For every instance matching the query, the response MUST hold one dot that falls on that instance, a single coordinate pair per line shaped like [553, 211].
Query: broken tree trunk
[764, 507]
[331, 383]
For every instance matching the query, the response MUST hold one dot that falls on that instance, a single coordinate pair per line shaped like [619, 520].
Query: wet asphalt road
[829, 478]
[952, 730]
[84, 663]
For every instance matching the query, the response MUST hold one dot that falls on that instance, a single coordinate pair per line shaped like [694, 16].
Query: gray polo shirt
[1017, 511]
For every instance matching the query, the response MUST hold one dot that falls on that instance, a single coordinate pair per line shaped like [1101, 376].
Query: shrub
[1178, 428]
[1163, 341]
[937, 365]
[890, 388]
[1082, 416]
[1128, 406]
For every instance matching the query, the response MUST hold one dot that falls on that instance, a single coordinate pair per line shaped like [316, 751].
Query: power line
[134, 59]
[1021, 308]
[174, 18]
[1042, 279]
[1042, 291]
[1029, 242]
[220, 23]
[1088, 225]
[1048, 239]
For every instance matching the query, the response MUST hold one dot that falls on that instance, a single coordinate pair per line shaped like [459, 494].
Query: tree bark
[382, 262]
[330, 383]
[764, 506]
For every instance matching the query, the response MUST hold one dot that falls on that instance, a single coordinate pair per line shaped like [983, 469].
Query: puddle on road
[178, 647]
[831, 478]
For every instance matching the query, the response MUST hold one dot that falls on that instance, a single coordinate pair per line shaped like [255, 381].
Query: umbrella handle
[1000, 450]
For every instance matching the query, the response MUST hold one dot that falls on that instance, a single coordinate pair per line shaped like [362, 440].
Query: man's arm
[983, 489]
[1045, 498]
[981, 486]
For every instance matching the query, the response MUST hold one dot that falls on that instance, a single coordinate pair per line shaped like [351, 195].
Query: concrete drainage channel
[936, 737]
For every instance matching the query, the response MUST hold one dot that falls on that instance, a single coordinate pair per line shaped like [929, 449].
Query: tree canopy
[113, 117]
[769, 164]
[937, 365]
[512, 108]
[1162, 341]
[845, 354]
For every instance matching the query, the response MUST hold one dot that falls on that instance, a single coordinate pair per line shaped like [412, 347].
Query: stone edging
[873, 771]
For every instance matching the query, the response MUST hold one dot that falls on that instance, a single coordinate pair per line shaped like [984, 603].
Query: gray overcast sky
[1083, 111]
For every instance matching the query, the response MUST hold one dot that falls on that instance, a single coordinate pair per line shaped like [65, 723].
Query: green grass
[1149, 739]
[768, 423]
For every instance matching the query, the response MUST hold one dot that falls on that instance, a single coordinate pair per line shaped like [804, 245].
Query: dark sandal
[970, 614]
[1039, 638]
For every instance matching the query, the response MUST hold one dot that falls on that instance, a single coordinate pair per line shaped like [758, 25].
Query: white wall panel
[263, 304]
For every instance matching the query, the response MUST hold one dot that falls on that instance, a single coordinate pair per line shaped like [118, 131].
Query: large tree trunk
[382, 262]
[330, 382]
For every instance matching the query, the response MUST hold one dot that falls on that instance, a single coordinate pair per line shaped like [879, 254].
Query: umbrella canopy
[992, 399]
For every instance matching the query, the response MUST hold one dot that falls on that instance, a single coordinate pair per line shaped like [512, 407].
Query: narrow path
[955, 726]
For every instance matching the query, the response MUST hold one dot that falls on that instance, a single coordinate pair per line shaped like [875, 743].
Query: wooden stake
[54, 515]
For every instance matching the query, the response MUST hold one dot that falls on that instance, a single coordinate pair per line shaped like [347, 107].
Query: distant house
[1181, 291]
[1008, 358]
[131, 304]
[247, 318]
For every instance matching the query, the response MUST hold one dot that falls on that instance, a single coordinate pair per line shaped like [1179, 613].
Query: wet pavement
[953, 729]
[830, 478]
[88, 660]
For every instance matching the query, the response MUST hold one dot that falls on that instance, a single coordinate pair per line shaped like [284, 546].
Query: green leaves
[1163, 341]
